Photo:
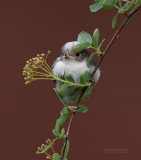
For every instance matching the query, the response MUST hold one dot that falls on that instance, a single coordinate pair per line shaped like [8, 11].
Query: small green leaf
[129, 19]
[84, 37]
[95, 38]
[57, 125]
[114, 20]
[62, 120]
[63, 88]
[62, 133]
[55, 132]
[87, 92]
[77, 93]
[120, 3]
[131, 5]
[60, 97]
[65, 111]
[96, 6]
[67, 149]
[70, 79]
[125, 7]
[56, 156]
[84, 77]
[90, 59]
[108, 4]
[101, 44]
[82, 46]
[66, 145]
[82, 109]
[138, 2]
[54, 140]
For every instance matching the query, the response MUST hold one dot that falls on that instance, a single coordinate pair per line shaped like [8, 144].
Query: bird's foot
[73, 108]
[91, 80]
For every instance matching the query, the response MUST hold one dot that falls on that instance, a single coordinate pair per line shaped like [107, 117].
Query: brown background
[28, 113]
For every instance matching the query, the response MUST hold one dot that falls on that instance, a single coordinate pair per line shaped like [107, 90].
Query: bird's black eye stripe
[77, 54]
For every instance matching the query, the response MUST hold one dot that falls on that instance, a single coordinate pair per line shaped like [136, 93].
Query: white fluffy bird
[73, 63]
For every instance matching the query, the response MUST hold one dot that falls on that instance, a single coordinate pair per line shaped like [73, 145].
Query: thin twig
[67, 134]
[98, 64]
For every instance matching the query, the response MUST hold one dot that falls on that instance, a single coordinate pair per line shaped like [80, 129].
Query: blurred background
[28, 112]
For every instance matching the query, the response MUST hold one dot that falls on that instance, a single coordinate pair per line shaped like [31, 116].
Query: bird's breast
[73, 68]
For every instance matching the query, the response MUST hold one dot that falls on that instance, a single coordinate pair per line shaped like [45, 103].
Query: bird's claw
[73, 108]
[91, 80]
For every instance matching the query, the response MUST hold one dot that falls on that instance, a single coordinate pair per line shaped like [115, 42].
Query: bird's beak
[68, 57]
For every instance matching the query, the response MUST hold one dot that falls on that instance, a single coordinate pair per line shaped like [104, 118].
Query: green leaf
[66, 145]
[77, 93]
[82, 46]
[120, 3]
[67, 149]
[131, 5]
[62, 120]
[63, 88]
[90, 59]
[60, 97]
[138, 2]
[95, 38]
[44, 151]
[87, 92]
[55, 132]
[65, 111]
[125, 7]
[62, 133]
[114, 20]
[84, 37]
[108, 4]
[70, 79]
[84, 77]
[101, 44]
[57, 125]
[96, 6]
[56, 156]
[129, 19]
[82, 109]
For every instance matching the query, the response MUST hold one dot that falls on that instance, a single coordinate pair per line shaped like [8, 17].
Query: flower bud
[49, 52]
[33, 59]
[37, 152]
[27, 82]
[34, 67]
[42, 54]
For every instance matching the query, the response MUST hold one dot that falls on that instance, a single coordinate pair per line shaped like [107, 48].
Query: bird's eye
[77, 54]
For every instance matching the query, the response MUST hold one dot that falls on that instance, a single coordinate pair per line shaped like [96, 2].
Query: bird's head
[68, 52]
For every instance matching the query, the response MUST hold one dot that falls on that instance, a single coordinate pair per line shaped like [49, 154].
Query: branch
[67, 134]
[115, 36]
[109, 46]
